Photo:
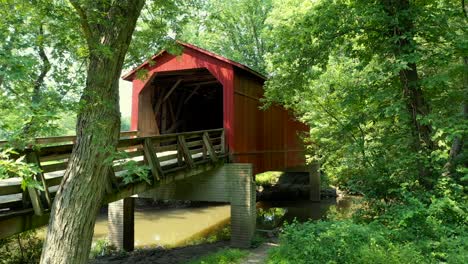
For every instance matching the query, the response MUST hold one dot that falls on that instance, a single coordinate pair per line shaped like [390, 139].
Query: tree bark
[80, 195]
[418, 108]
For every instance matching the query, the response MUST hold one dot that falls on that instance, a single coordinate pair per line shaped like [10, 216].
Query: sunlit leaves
[337, 65]
[10, 168]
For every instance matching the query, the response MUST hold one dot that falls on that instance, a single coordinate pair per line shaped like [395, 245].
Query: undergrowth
[223, 256]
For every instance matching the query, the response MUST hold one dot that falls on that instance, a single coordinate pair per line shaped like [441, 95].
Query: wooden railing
[165, 155]
[68, 139]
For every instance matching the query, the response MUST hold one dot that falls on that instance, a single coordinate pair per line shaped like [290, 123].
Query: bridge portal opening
[181, 101]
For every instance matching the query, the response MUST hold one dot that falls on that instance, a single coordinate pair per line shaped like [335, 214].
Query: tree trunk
[459, 141]
[29, 130]
[418, 108]
[80, 195]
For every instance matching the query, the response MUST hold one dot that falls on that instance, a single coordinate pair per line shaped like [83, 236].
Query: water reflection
[171, 227]
[274, 214]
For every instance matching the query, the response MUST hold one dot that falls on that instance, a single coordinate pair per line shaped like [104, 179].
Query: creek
[176, 227]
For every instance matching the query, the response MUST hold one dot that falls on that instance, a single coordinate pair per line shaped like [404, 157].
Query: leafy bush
[100, 248]
[17, 168]
[224, 256]
[341, 242]
[268, 178]
[22, 248]
[426, 227]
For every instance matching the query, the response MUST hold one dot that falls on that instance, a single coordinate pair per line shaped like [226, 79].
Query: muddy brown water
[168, 228]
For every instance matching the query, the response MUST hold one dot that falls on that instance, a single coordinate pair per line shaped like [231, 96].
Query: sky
[125, 90]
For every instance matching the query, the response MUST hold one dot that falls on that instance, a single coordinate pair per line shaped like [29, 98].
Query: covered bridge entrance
[199, 90]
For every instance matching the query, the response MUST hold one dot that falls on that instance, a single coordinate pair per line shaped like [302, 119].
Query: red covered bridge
[208, 107]
[199, 90]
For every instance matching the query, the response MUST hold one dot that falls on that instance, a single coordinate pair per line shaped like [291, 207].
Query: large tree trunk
[417, 106]
[80, 195]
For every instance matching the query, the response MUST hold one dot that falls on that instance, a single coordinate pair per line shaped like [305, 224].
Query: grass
[102, 247]
[268, 178]
[223, 256]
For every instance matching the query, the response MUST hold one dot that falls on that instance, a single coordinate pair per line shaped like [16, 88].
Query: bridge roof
[131, 75]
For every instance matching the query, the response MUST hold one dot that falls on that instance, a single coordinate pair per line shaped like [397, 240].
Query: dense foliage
[383, 86]
[22, 248]
[233, 28]
[344, 67]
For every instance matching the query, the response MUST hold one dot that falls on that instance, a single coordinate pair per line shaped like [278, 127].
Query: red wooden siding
[267, 138]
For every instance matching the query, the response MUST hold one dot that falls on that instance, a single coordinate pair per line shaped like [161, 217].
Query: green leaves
[338, 65]
[234, 29]
[10, 168]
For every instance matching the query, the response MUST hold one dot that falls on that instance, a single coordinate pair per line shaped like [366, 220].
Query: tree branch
[83, 21]
[37, 93]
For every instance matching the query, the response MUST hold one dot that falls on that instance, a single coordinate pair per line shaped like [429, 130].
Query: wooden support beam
[36, 201]
[172, 89]
[191, 94]
[223, 143]
[209, 147]
[33, 157]
[164, 118]
[171, 112]
[159, 102]
[152, 158]
[185, 151]
[202, 83]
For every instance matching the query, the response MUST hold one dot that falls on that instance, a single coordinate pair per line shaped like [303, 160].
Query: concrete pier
[121, 224]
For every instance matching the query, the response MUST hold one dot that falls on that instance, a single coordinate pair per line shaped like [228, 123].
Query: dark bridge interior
[188, 100]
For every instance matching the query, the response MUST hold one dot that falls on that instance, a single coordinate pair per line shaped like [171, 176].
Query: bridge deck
[167, 157]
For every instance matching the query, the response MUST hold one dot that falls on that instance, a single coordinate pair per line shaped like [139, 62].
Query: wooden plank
[130, 142]
[209, 147]
[193, 92]
[17, 222]
[54, 181]
[172, 90]
[153, 162]
[167, 157]
[16, 204]
[6, 189]
[132, 133]
[54, 157]
[197, 143]
[196, 151]
[172, 147]
[185, 151]
[67, 139]
[54, 167]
